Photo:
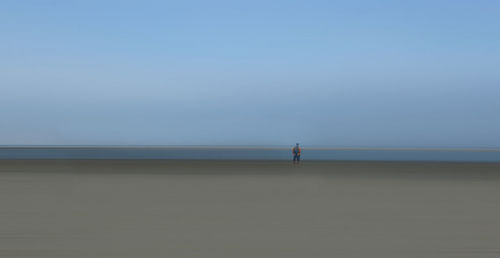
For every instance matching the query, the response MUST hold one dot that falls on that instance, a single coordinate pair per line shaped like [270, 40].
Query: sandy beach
[161, 208]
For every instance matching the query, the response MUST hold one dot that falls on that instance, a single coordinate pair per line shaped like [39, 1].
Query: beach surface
[183, 208]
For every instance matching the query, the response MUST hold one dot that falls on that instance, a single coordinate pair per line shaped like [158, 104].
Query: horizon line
[268, 147]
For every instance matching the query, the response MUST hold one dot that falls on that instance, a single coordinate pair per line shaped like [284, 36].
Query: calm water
[246, 154]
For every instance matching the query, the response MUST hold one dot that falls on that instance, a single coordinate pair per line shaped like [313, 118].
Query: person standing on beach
[296, 153]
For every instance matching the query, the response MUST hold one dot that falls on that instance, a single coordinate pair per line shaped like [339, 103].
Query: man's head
[297, 144]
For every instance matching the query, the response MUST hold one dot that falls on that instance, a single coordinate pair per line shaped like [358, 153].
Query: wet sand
[131, 208]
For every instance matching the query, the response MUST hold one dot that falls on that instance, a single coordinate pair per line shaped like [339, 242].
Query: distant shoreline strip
[248, 148]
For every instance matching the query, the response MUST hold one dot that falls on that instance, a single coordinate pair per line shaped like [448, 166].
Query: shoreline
[250, 154]
[223, 147]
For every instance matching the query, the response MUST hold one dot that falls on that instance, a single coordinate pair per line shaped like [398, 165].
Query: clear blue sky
[336, 73]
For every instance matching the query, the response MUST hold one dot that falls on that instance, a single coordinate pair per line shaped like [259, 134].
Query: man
[296, 153]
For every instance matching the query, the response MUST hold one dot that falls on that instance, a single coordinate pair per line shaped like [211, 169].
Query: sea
[248, 153]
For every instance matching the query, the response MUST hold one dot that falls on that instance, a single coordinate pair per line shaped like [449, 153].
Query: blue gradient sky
[333, 73]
